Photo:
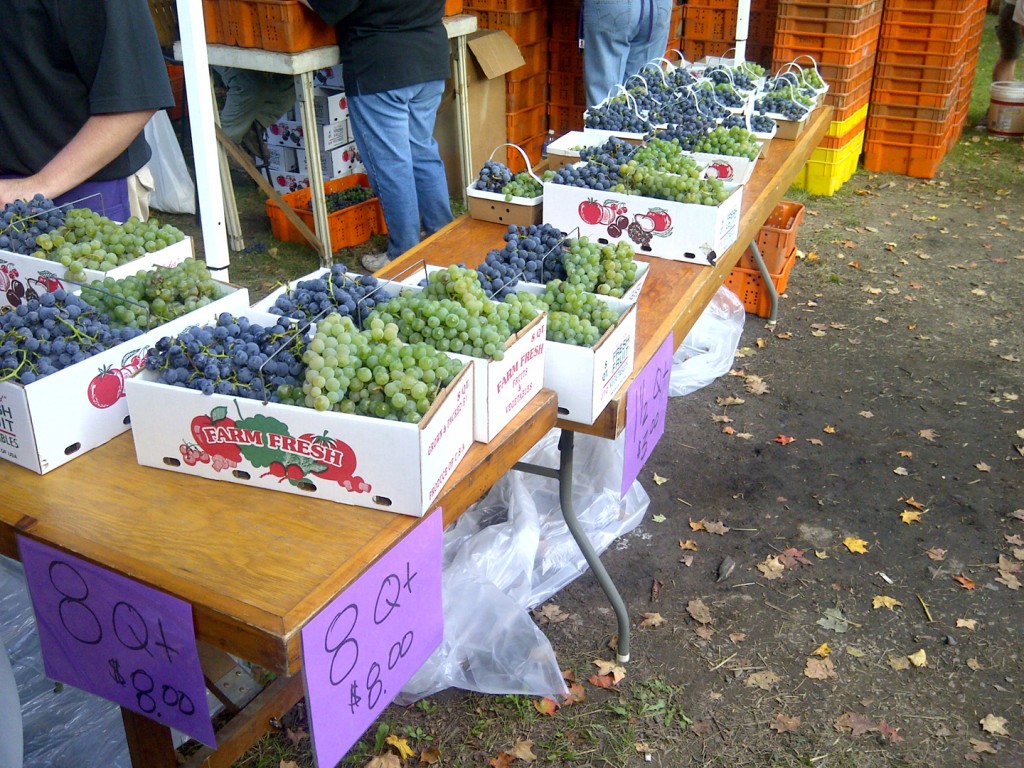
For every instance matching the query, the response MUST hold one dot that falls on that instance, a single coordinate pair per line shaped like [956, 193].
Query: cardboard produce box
[49, 422]
[26, 277]
[388, 465]
[492, 54]
[688, 232]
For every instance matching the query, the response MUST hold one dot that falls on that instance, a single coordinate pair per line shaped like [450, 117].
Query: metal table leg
[564, 476]
[772, 293]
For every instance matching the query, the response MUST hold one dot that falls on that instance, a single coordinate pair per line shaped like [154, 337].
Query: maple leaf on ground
[602, 681]
[820, 669]
[994, 724]
[855, 723]
[784, 723]
[855, 545]
[928, 434]
[783, 439]
[288, 764]
[833, 619]
[881, 601]
[501, 760]
[936, 554]
[546, 706]
[699, 611]
[910, 501]
[866, 414]
[964, 582]
[726, 401]
[689, 544]
[764, 680]
[390, 760]
[814, 441]
[652, 620]
[716, 526]
[909, 516]
[430, 756]
[902, 471]
[756, 385]
[822, 650]
[888, 732]
[401, 746]
[828, 429]
[697, 525]
[981, 466]
[898, 663]
[704, 631]
[617, 671]
[772, 568]
[549, 613]
[659, 480]
[918, 658]
[970, 624]
[523, 750]
[793, 557]
[575, 695]
[982, 747]
[722, 419]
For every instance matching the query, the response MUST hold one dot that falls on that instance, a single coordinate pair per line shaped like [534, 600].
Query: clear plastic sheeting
[510, 552]
[62, 726]
[709, 348]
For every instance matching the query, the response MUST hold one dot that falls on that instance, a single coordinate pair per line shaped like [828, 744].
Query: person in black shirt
[81, 81]
[394, 59]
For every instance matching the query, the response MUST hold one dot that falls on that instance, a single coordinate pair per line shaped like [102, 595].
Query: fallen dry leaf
[727, 430]
[772, 568]
[928, 434]
[546, 706]
[388, 760]
[689, 544]
[755, 385]
[296, 736]
[722, 419]
[814, 441]
[828, 429]
[856, 723]
[905, 454]
[974, 664]
[737, 637]
[820, 669]
[658, 518]
[994, 724]
[652, 620]
[899, 663]
[764, 680]
[727, 401]
[704, 631]
[699, 611]
[523, 750]
[822, 650]
[696, 525]
[982, 747]
[881, 601]
[501, 760]
[936, 554]
[918, 658]
[970, 624]
[902, 471]
[981, 466]
[617, 671]
[888, 732]
[910, 501]
[855, 545]
[430, 756]
[575, 695]
[659, 480]
[784, 723]
[964, 582]
[288, 764]
[909, 516]
[549, 613]
[401, 746]
[656, 586]
[866, 414]
[793, 557]
[783, 439]
[716, 527]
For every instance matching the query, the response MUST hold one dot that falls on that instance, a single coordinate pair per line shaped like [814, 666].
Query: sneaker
[375, 261]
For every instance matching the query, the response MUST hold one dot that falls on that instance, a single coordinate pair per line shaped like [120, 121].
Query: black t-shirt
[62, 61]
[388, 44]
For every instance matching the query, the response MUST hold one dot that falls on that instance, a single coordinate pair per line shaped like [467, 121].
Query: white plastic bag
[709, 348]
[174, 191]
[510, 552]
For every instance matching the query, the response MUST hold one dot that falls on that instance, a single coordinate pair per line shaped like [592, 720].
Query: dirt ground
[829, 571]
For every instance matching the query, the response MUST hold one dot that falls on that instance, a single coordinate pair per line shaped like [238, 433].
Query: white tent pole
[742, 25]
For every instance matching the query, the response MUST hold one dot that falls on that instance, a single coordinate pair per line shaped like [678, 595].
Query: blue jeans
[394, 131]
[620, 36]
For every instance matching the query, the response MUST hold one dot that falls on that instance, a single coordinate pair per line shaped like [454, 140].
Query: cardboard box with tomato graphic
[26, 277]
[389, 465]
[49, 422]
[688, 232]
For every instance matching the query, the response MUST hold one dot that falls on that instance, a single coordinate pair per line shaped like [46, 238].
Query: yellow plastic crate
[828, 169]
[839, 127]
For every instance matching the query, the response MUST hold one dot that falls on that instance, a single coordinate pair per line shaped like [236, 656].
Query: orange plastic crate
[528, 92]
[536, 57]
[831, 49]
[349, 226]
[777, 237]
[826, 26]
[566, 89]
[890, 92]
[453, 7]
[241, 20]
[288, 26]
[564, 119]
[708, 23]
[731, 4]
[522, 26]
[565, 56]
[924, 5]
[918, 160]
[532, 146]
[565, 22]
[694, 50]
[675, 24]
[946, 36]
[830, 11]
[909, 112]
[839, 142]
[176, 75]
[214, 17]
[526, 122]
[923, 15]
[900, 130]
[503, 5]
[749, 286]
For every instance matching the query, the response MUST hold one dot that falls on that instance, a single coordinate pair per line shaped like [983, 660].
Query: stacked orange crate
[709, 28]
[916, 100]
[972, 44]
[761, 26]
[675, 29]
[526, 88]
[841, 41]
[566, 94]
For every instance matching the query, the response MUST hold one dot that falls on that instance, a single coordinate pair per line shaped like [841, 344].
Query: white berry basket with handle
[502, 208]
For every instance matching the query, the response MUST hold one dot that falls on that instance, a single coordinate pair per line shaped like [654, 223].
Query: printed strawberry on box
[586, 378]
[388, 465]
[49, 422]
[687, 232]
[26, 277]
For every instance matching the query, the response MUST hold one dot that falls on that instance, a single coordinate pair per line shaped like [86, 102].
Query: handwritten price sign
[646, 405]
[118, 639]
[362, 648]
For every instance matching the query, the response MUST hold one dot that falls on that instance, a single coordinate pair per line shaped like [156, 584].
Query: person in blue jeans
[619, 37]
[394, 62]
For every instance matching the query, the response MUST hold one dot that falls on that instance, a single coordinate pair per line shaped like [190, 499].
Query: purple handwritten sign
[646, 404]
[361, 649]
[116, 638]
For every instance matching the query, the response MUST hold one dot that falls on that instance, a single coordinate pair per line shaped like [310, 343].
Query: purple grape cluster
[233, 357]
[22, 221]
[334, 291]
[615, 114]
[493, 177]
[57, 330]
[533, 253]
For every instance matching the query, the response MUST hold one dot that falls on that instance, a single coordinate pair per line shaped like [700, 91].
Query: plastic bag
[709, 348]
[174, 191]
[510, 552]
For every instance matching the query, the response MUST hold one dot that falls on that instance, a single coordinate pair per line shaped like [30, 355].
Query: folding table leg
[149, 743]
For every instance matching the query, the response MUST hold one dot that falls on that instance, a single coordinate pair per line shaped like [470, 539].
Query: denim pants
[394, 131]
[620, 36]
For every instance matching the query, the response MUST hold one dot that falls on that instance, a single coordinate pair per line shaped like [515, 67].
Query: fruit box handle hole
[73, 448]
[383, 501]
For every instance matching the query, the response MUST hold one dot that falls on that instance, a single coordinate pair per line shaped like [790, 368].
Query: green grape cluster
[751, 69]
[812, 78]
[575, 316]
[661, 155]
[369, 372]
[683, 186]
[735, 142]
[452, 313]
[605, 269]
[795, 94]
[523, 185]
[88, 240]
[152, 297]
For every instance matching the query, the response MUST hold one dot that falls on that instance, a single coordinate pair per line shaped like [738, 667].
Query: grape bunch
[493, 177]
[615, 114]
[522, 185]
[680, 108]
[785, 101]
[152, 297]
[452, 313]
[574, 316]
[234, 356]
[90, 241]
[734, 142]
[46, 335]
[595, 174]
[333, 291]
[532, 253]
[344, 198]
[370, 372]
[684, 131]
[22, 221]
[671, 175]
[737, 76]
[758, 123]
[597, 268]
[811, 78]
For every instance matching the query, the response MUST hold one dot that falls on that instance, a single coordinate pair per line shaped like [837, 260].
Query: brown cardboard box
[492, 54]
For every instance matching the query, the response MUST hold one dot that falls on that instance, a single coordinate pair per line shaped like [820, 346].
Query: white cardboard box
[585, 378]
[288, 182]
[47, 423]
[388, 465]
[329, 77]
[290, 133]
[29, 276]
[331, 106]
[698, 234]
[726, 168]
[335, 163]
[283, 159]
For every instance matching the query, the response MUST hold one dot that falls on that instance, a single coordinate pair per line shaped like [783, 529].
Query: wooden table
[257, 565]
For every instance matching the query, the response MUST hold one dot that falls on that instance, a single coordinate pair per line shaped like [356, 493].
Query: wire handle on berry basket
[639, 77]
[526, 159]
[814, 66]
[656, 65]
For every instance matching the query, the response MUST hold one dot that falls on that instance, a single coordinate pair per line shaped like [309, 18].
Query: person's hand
[16, 189]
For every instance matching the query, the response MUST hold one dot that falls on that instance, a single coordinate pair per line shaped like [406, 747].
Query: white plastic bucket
[1006, 108]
